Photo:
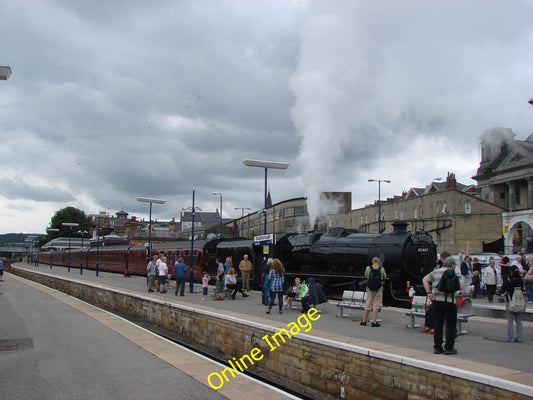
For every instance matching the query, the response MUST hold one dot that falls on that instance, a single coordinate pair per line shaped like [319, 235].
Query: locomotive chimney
[399, 226]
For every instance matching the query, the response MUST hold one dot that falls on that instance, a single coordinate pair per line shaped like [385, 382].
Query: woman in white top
[163, 273]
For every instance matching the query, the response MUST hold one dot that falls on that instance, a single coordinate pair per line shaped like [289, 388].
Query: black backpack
[449, 282]
[374, 279]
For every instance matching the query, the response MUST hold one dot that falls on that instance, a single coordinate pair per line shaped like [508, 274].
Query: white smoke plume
[330, 71]
[389, 91]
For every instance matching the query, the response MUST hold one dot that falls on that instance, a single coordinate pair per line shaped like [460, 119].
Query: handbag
[518, 302]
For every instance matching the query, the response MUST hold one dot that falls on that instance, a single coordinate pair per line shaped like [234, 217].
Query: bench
[293, 306]
[351, 299]
[418, 310]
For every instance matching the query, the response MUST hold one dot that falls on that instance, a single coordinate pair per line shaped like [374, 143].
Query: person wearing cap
[444, 308]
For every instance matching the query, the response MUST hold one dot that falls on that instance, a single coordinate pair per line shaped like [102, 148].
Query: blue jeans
[273, 297]
[529, 290]
[517, 317]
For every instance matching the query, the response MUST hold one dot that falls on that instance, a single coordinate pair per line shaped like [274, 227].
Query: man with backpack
[374, 291]
[441, 286]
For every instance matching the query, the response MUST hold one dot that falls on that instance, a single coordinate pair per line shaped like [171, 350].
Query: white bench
[351, 299]
[418, 310]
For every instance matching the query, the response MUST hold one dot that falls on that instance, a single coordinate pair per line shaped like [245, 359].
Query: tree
[69, 214]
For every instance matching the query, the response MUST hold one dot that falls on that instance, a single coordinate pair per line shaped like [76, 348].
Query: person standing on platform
[1, 269]
[221, 279]
[529, 279]
[245, 266]
[163, 274]
[180, 269]
[374, 291]
[509, 287]
[490, 279]
[504, 266]
[265, 297]
[151, 272]
[444, 306]
[277, 277]
[205, 285]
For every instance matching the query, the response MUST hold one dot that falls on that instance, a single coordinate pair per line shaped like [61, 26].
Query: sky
[113, 100]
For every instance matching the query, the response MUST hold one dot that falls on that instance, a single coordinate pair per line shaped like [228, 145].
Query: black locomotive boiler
[337, 259]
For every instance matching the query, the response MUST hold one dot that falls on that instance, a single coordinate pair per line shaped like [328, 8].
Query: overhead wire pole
[379, 198]
[242, 215]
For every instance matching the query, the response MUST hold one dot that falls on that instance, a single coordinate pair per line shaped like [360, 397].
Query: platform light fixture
[51, 230]
[220, 216]
[70, 225]
[151, 201]
[266, 165]
[5, 73]
[97, 217]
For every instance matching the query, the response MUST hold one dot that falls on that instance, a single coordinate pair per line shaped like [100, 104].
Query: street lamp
[379, 199]
[242, 216]
[49, 230]
[70, 226]
[5, 73]
[266, 165]
[31, 257]
[220, 225]
[98, 216]
[81, 232]
[151, 201]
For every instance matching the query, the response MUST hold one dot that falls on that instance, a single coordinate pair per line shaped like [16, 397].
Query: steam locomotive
[336, 259]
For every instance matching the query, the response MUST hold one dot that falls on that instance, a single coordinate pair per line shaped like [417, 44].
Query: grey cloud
[19, 189]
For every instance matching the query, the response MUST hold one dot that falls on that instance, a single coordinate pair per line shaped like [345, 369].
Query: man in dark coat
[314, 295]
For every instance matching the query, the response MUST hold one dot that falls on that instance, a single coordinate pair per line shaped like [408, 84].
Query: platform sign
[265, 239]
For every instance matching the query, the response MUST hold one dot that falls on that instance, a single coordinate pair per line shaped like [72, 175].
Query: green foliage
[69, 215]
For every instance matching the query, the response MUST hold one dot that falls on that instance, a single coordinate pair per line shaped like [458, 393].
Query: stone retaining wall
[340, 370]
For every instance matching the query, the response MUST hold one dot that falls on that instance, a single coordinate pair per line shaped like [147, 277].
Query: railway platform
[483, 351]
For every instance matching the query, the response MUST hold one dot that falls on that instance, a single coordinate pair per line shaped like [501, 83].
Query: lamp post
[151, 201]
[70, 226]
[379, 198]
[220, 216]
[49, 230]
[242, 216]
[31, 240]
[81, 232]
[98, 216]
[266, 165]
[5, 73]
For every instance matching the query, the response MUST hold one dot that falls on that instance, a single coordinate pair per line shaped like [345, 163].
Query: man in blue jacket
[180, 269]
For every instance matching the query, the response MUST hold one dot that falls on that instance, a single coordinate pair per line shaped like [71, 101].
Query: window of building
[366, 219]
[415, 211]
[377, 217]
[401, 215]
[362, 219]
[333, 210]
[502, 195]
[288, 212]
[468, 208]
[301, 210]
